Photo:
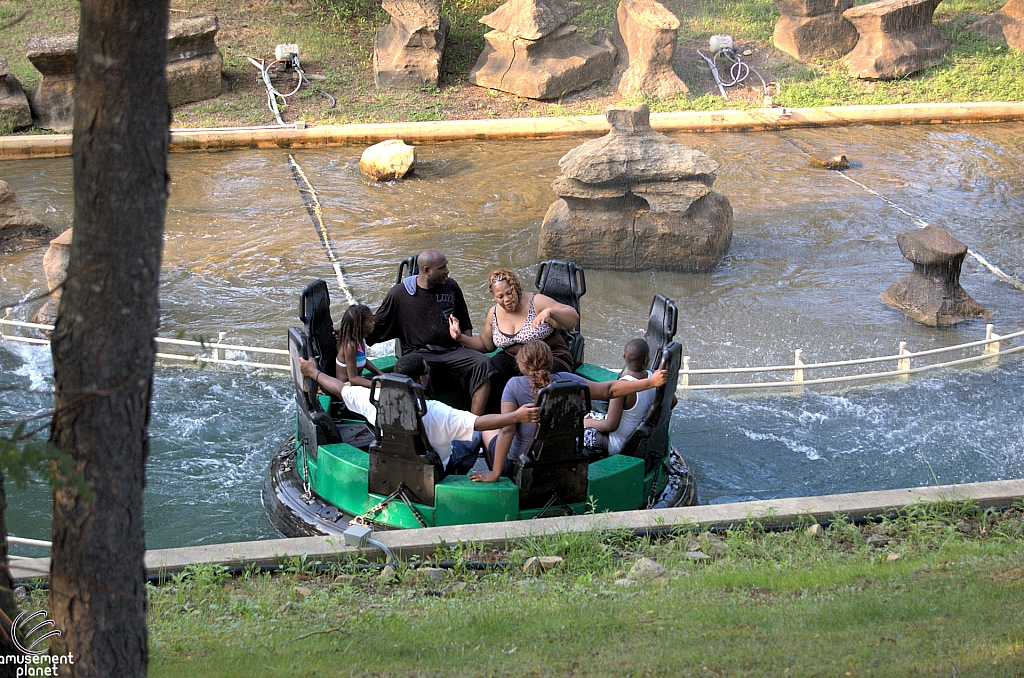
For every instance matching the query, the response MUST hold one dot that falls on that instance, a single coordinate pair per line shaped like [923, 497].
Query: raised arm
[559, 316]
[606, 390]
[526, 414]
[325, 381]
[483, 342]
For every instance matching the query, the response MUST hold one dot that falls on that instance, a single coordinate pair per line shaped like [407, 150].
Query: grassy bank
[935, 592]
[336, 37]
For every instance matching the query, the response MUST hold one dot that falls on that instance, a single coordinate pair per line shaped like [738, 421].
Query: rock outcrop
[390, 159]
[193, 70]
[407, 52]
[194, 64]
[896, 38]
[1005, 26]
[645, 38]
[55, 267]
[18, 228]
[14, 111]
[53, 99]
[932, 294]
[535, 52]
[814, 29]
[636, 199]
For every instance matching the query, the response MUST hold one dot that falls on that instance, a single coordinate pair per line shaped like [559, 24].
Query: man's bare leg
[479, 402]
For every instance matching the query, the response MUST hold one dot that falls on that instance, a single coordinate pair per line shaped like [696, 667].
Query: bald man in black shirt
[416, 311]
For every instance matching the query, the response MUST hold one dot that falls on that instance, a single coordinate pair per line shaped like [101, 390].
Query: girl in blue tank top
[355, 324]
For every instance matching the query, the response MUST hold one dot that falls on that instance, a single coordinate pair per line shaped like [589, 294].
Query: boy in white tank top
[627, 413]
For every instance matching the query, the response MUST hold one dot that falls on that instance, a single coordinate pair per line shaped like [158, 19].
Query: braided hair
[534, 361]
[350, 329]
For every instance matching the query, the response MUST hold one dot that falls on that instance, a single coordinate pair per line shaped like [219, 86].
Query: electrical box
[356, 535]
[286, 52]
[719, 42]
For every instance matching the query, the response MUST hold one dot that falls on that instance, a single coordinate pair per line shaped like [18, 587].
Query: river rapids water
[810, 255]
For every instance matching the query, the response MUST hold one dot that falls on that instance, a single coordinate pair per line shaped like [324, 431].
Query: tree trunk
[103, 341]
[8, 605]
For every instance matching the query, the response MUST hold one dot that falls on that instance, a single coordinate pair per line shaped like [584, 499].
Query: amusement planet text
[33, 664]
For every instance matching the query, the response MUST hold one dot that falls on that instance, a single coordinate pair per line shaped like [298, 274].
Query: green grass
[936, 591]
[336, 37]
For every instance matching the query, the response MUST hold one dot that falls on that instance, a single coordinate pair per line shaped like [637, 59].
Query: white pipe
[28, 542]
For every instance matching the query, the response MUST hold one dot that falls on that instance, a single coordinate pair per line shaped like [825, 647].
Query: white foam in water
[37, 365]
[793, 445]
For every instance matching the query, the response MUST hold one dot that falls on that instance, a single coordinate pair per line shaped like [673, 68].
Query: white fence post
[685, 376]
[903, 364]
[220, 354]
[7, 316]
[993, 346]
[798, 361]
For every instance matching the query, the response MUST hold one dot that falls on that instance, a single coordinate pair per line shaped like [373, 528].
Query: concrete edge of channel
[20, 147]
[422, 542]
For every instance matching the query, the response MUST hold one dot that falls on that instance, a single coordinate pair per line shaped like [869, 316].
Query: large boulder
[1005, 26]
[193, 70]
[636, 199]
[19, 230]
[814, 29]
[534, 52]
[645, 39]
[896, 38]
[931, 293]
[53, 99]
[407, 51]
[55, 267]
[14, 111]
[390, 159]
[194, 64]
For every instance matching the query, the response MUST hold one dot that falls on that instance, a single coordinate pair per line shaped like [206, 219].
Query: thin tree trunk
[103, 341]
[8, 605]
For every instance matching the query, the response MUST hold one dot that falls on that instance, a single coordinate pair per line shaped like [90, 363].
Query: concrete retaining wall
[422, 542]
[51, 146]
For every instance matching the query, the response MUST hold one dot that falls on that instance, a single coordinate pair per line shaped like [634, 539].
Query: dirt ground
[344, 69]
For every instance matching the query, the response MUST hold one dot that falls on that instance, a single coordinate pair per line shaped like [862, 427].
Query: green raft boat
[338, 469]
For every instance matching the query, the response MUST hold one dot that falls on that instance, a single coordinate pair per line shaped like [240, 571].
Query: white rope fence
[216, 351]
[991, 348]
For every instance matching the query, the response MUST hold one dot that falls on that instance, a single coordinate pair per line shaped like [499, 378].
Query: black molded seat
[661, 327]
[402, 454]
[315, 427]
[650, 440]
[554, 466]
[564, 282]
[406, 267]
[315, 314]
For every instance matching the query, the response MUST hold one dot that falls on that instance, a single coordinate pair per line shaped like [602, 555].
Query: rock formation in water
[931, 293]
[390, 159]
[193, 70]
[1005, 26]
[535, 52]
[645, 39]
[636, 199]
[814, 29]
[897, 38]
[14, 111]
[18, 228]
[407, 51]
[55, 267]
